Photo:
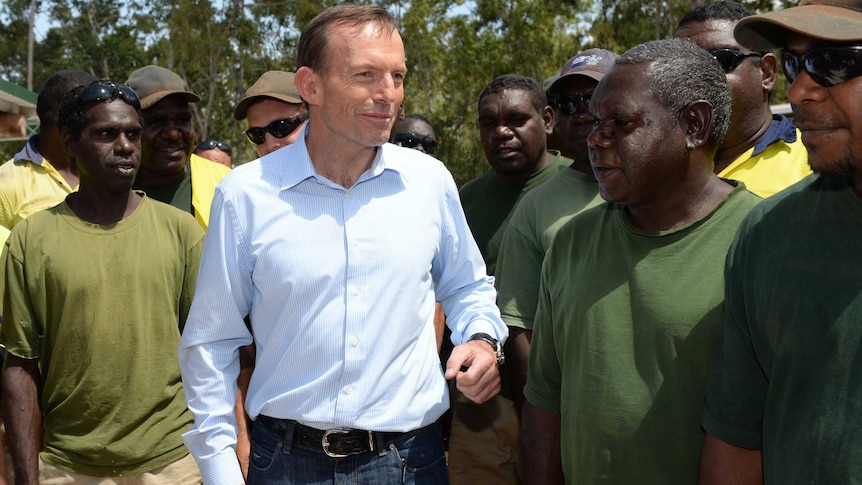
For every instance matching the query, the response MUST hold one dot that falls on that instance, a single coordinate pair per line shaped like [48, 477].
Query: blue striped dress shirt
[340, 285]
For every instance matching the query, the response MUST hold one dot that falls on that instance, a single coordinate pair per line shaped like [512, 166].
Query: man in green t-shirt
[514, 123]
[784, 402]
[96, 293]
[631, 290]
[545, 210]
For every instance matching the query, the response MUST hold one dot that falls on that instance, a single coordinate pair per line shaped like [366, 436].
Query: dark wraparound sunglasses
[210, 144]
[569, 103]
[729, 59]
[101, 91]
[412, 140]
[827, 66]
[278, 128]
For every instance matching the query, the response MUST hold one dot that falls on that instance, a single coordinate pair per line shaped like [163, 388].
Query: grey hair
[682, 73]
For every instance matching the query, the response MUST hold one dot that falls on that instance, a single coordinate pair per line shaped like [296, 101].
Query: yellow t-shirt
[777, 167]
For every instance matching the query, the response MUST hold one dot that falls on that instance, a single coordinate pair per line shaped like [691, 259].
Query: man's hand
[481, 381]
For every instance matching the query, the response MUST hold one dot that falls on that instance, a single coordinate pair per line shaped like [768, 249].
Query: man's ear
[307, 83]
[548, 120]
[68, 143]
[697, 120]
[768, 72]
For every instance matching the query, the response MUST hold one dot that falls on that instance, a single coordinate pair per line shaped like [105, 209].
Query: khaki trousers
[483, 444]
[181, 472]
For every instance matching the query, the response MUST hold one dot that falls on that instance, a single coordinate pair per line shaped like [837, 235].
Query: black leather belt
[336, 443]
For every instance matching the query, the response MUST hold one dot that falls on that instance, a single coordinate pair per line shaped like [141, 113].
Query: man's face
[420, 130]
[359, 94]
[636, 147]
[264, 112]
[749, 83]
[108, 152]
[217, 156]
[514, 135]
[168, 136]
[574, 128]
[829, 118]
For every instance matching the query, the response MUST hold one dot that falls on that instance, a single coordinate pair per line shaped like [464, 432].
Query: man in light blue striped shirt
[337, 247]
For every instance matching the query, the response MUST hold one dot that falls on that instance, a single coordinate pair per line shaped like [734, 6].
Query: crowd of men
[655, 281]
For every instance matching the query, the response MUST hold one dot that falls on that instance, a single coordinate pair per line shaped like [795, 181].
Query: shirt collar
[781, 128]
[29, 152]
[297, 165]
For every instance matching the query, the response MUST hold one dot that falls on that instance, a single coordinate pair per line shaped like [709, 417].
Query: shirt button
[350, 195]
[356, 292]
[348, 390]
[355, 342]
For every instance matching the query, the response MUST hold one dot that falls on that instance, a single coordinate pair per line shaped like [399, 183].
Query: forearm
[540, 446]
[23, 415]
[722, 463]
[517, 357]
[243, 438]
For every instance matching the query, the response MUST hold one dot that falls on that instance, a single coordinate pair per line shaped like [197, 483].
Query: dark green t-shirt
[622, 339]
[787, 376]
[177, 194]
[490, 200]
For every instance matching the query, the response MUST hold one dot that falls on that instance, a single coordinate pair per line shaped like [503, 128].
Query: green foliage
[454, 49]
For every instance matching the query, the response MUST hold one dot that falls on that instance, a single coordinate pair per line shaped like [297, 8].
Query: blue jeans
[416, 459]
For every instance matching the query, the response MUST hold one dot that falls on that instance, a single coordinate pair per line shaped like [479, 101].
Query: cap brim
[156, 97]
[241, 109]
[589, 73]
[825, 22]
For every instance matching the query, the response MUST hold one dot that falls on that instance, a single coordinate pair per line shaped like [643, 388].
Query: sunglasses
[101, 91]
[412, 140]
[730, 59]
[827, 66]
[569, 103]
[210, 144]
[278, 128]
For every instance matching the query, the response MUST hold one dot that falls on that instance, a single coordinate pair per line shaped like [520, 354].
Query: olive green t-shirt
[624, 331]
[102, 308]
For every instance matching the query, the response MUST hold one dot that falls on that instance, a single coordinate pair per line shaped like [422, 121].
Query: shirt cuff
[480, 325]
[221, 469]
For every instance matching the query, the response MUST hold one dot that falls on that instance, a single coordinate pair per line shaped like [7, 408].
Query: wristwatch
[498, 348]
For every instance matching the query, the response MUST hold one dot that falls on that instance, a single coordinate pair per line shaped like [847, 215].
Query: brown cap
[272, 84]
[829, 20]
[154, 83]
[592, 63]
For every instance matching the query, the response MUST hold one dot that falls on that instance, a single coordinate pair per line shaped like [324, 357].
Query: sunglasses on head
[412, 140]
[729, 59]
[827, 66]
[278, 128]
[101, 91]
[210, 144]
[569, 103]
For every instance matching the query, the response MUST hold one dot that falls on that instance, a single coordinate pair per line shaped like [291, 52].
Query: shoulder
[201, 167]
[166, 214]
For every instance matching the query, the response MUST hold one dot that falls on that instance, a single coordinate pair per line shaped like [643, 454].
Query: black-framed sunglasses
[210, 144]
[412, 140]
[729, 59]
[278, 128]
[101, 91]
[568, 104]
[827, 66]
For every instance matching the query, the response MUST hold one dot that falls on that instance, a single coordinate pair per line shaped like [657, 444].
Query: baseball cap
[272, 84]
[592, 63]
[829, 20]
[153, 83]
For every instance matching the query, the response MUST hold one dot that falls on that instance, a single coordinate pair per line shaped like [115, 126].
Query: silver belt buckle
[325, 442]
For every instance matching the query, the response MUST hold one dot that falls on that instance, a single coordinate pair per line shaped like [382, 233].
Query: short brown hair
[313, 41]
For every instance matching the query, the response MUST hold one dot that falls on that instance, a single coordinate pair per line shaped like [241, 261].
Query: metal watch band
[498, 348]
